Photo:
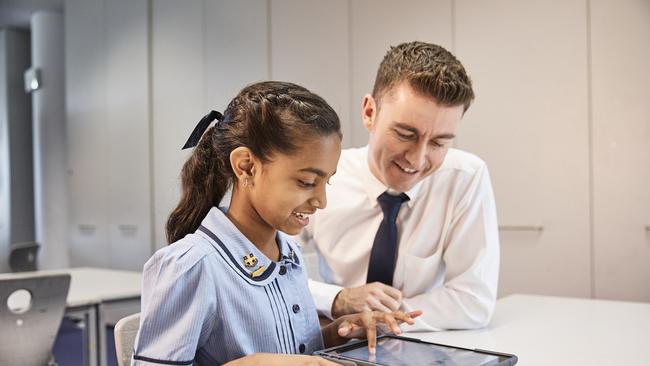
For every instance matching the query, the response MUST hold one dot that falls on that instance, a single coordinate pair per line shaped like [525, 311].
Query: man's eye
[404, 136]
[436, 144]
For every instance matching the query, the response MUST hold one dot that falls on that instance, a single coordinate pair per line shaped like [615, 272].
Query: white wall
[542, 74]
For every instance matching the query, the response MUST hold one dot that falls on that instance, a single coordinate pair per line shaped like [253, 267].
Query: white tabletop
[543, 330]
[89, 286]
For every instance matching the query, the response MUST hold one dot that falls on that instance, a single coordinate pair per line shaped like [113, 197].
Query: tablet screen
[396, 352]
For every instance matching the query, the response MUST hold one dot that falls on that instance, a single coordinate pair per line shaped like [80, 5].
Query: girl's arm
[270, 359]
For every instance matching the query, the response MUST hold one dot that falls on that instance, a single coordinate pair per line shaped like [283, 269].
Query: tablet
[397, 351]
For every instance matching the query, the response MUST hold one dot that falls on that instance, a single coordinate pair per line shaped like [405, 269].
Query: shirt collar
[374, 187]
[242, 255]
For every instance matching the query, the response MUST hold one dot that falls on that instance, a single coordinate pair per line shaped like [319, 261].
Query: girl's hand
[270, 359]
[364, 325]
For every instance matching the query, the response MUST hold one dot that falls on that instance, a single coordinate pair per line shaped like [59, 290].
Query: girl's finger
[390, 321]
[344, 328]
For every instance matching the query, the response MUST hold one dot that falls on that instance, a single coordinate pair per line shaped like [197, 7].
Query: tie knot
[391, 204]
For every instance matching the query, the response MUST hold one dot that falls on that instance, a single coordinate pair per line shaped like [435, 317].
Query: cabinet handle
[128, 229]
[86, 229]
[521, 228]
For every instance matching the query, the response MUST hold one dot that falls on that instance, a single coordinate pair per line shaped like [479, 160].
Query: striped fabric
[203, 305]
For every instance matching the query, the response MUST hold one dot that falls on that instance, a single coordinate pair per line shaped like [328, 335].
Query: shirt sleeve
[323, 293]
[468, 295]
[177, 309]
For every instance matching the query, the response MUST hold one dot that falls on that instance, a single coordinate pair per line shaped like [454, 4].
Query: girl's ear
[243, 164]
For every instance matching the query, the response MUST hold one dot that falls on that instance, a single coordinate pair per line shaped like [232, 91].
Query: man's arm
[467, 298]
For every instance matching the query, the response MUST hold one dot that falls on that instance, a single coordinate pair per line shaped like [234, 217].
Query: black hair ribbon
[200, 128]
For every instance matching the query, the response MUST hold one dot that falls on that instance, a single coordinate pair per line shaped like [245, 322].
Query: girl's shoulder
[182, 255]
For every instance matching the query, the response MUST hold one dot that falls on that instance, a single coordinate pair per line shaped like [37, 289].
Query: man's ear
[368, 111]
[243, 164]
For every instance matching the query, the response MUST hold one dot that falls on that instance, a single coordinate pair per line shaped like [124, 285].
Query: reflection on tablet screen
[394, 352]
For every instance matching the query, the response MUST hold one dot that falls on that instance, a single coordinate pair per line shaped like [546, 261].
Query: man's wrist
[336, 310]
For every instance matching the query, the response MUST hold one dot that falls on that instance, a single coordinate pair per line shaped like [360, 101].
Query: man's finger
[376, 304]
[389, 303]
[392, 292]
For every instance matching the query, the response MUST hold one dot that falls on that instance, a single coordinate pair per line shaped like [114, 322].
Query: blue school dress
[212, 297]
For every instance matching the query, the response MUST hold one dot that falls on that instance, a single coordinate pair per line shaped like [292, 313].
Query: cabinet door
[177, 97]
[620, 50]
[203, 53]
[309, 46]
[528, 63]
[108, 132]
[127, 122]
[87, 132]
[375, 25]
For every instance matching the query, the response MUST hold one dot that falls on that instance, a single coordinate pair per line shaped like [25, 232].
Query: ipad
[398, 351]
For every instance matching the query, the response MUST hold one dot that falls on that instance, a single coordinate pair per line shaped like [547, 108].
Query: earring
[245, 182]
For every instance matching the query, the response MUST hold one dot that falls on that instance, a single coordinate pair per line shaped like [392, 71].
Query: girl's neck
[254, 228]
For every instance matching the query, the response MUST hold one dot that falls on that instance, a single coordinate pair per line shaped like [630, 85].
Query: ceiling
[16, 13]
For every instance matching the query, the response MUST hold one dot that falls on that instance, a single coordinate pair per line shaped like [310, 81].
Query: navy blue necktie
[384, 249]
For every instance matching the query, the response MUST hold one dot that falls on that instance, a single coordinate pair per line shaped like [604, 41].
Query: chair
[31, 311]
[125, 331]
[22, 257]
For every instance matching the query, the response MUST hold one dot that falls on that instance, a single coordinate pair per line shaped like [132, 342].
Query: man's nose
[416, 155]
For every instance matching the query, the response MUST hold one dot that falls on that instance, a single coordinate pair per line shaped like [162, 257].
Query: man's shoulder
[464, 161]
[353, 159]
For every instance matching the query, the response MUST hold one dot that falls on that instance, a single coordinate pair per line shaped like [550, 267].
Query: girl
[232, 288]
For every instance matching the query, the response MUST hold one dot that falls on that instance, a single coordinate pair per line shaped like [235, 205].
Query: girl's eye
[306, 184]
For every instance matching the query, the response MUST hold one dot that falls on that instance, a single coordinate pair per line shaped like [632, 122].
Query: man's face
[409, 135]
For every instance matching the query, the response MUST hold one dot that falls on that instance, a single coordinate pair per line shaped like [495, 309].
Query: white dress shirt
[448, 256]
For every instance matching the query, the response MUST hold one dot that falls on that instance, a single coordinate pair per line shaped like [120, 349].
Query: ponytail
[204, 180]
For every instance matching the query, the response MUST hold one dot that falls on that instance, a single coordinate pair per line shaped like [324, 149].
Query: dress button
[302, 348]
[283, 270]
[296, 308]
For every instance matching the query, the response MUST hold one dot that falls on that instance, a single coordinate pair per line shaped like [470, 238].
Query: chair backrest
[31, 310]
[22, 257]
[125, 331]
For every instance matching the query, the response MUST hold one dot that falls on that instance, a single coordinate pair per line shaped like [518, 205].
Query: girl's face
[290, 188]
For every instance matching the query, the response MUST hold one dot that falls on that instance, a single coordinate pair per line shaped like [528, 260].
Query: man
[410, 223]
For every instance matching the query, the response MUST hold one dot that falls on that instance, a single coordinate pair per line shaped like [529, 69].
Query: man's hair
[429, 69]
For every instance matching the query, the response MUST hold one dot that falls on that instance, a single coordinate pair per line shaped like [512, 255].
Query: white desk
[543, 330]
[100, 297]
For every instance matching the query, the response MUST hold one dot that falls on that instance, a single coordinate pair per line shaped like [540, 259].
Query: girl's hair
[266, 117]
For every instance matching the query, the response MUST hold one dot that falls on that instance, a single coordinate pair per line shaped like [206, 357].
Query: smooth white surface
[543, 330]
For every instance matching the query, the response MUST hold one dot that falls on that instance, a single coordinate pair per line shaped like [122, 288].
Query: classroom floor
[68, 347]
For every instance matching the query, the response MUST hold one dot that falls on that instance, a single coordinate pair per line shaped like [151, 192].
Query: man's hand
[373, 296]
